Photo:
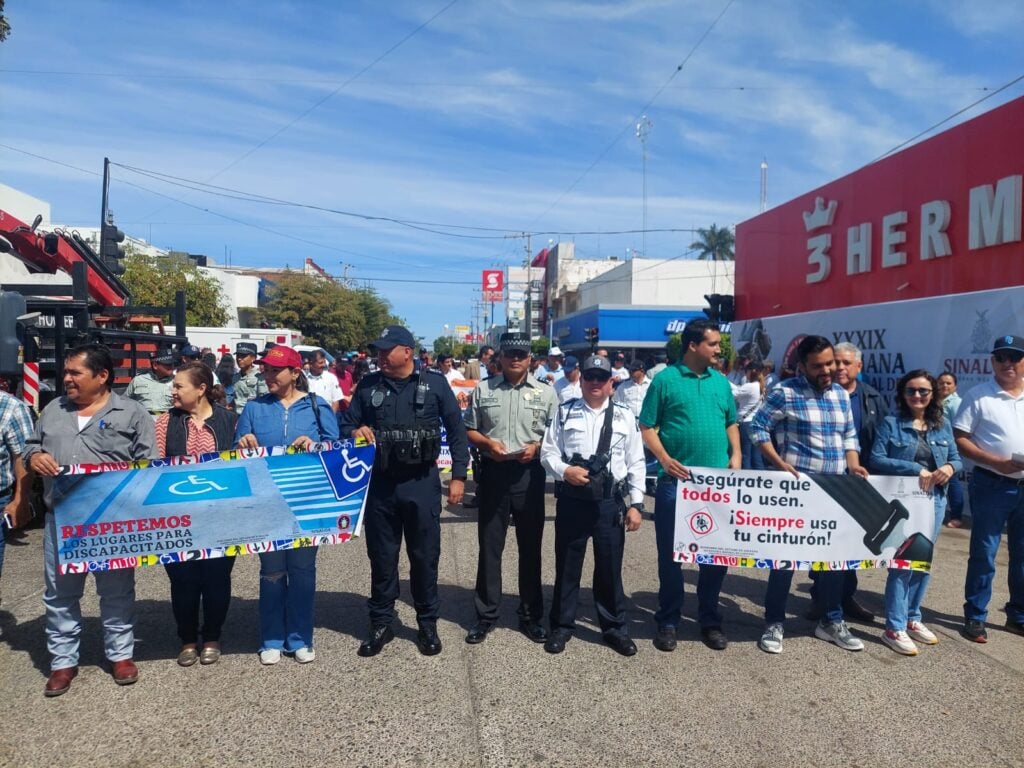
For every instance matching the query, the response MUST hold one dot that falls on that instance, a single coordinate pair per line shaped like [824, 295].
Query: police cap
[394, 336]
[245, 348]
[514, 341]
[597, 363]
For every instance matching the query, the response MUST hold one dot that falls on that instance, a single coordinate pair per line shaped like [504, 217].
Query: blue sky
[505, 116]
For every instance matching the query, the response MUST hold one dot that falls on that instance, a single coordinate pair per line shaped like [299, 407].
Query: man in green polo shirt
[688, 420]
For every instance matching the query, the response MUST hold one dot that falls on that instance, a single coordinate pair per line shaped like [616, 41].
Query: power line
[423, 226]
[483, 84]
[629, 126]
[326, 98]
[945, 120]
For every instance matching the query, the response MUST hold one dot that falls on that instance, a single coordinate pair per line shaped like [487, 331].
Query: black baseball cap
[1016, 343]
[394, 336]
[637, 365]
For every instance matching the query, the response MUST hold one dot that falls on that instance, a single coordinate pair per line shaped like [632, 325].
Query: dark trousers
[507, 490]
[830, 586]
[849, 585]
[200, 582]
[411, 507]
[670, 573]
[576, 521]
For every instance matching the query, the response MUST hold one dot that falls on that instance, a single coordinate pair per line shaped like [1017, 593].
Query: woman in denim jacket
[917, 441]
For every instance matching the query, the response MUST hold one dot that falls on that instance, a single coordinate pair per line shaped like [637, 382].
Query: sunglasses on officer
[600, 376]
[515, 354]
[1008, 356]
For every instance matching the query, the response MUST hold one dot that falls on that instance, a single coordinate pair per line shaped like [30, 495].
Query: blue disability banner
[133, 514]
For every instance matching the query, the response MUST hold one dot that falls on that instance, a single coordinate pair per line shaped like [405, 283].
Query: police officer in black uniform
[402, 411]
[595, 451]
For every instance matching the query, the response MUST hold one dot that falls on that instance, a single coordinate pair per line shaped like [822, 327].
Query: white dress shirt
[577, 429]
[632, 395]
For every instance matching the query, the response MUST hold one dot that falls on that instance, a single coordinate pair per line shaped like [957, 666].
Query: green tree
[154, 282]
[327, 314]
[5, 27]
[442, 346]
[715, 244]
[540, 345]
[376, 312]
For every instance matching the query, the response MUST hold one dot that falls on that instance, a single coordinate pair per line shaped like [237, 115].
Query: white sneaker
[771, 640]
[270, 656]
[305, 655]
[899, 642]
[921, 633]
[839, 634]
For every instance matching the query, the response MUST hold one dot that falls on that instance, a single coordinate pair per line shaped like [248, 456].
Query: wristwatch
[639, 507]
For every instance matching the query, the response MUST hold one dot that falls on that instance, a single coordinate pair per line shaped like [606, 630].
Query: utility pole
[529, 289]
[106, 189]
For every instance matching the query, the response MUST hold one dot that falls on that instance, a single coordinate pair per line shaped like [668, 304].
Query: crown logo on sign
[820, 216]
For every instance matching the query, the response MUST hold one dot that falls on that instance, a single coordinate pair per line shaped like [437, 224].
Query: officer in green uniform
[249, 383]
[152, 388]
[506, 420]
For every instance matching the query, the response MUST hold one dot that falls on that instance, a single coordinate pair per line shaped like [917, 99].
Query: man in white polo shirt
[989, 429]
[322, 382]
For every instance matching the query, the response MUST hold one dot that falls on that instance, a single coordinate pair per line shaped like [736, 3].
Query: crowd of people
[590, 425]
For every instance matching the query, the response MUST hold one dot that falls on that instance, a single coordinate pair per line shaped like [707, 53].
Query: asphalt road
[506, 702]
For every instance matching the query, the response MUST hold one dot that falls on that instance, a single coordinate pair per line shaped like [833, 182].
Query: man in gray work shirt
[90, 424]
[506, 420]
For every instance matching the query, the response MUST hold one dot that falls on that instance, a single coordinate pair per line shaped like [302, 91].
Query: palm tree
[715, 244]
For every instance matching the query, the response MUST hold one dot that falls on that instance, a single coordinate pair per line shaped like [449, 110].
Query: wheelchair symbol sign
[194, 485]
[199, 485]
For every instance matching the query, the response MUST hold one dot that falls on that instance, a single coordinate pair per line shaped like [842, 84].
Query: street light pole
[643, 127]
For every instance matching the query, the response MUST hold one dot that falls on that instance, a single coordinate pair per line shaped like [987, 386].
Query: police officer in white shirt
[631, 393]
[594, 450]
[568, 387]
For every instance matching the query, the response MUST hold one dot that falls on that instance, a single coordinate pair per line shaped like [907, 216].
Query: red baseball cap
[282, 357]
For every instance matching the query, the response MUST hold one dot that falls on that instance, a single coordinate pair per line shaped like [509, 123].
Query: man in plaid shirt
[812, 421]
[15, 483]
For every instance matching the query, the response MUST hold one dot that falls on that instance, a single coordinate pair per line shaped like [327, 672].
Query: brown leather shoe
[125, 672]
[60, 681]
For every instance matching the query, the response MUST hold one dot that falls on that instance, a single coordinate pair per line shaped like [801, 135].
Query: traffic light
[727, 308]
[713, 309]
[111, 249]
[12, 306]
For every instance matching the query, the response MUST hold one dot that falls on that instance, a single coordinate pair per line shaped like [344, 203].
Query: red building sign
[941, 217]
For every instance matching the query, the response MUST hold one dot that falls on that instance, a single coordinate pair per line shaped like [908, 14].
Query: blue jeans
[62, 599]
[955, 494]
[287, 589]
[670, 573]
[752, 456]
[904, 589]
[994, 503]
[4, 501]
